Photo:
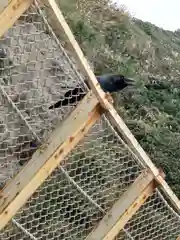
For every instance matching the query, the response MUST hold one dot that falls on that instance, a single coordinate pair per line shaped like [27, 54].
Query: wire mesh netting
[77, 195]
[35, 72]
[154, 220]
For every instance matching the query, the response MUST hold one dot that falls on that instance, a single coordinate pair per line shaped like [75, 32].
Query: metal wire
[154, 221]
[23, 230]
[35, 73]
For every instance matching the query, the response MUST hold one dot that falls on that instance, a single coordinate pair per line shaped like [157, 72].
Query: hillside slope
[114, 42]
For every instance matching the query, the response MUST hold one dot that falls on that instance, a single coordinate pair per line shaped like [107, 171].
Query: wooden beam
[178, 238]
[11, 13]
[143, 157]
[123, 210]
[58, 22]
[48, 157]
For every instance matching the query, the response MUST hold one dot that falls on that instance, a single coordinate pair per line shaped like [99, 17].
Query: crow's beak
[130, 82]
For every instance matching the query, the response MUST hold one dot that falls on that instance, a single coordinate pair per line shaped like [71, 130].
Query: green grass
[113, 42]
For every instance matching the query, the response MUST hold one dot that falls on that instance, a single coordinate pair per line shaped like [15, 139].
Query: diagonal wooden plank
[123, 210]
[58, 22]
[48, 157]
[11, 13]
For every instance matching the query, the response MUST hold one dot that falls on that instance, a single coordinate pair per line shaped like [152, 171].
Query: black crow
[109, 83]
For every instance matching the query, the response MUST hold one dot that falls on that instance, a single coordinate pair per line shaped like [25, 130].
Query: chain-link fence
[35, 72]
[154, 220]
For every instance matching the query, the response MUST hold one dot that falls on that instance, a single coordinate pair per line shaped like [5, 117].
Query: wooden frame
[47, 158]
[11, 13]
[124, 208]
[60, 24]
[68, 134]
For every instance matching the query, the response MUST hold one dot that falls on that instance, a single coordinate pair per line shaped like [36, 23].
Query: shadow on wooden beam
[48, 157]
[123, 210]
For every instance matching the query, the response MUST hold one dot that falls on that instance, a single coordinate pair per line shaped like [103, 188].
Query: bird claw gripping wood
[162, 173]
[109, 97]
[43, 147]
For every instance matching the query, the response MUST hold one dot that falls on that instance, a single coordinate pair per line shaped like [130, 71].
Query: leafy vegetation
[114, 42]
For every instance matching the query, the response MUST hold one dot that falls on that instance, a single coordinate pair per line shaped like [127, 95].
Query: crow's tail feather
[60, 103]
[68, 101]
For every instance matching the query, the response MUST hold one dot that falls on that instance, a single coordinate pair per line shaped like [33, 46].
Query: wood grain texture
[123, 210]
[48, 156]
